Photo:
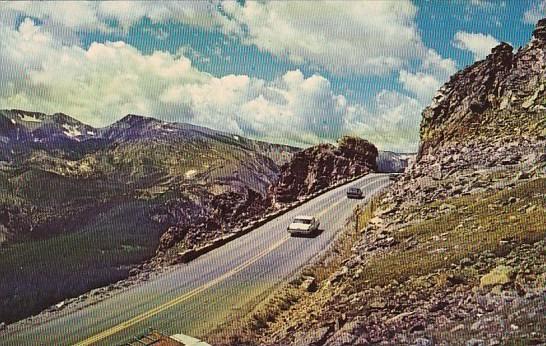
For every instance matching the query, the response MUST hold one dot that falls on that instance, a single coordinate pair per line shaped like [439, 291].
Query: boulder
[313, 337]
[500, 275]
[309, 284]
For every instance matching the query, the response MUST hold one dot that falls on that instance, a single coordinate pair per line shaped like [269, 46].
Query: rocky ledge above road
[323, 165]
[502, 96]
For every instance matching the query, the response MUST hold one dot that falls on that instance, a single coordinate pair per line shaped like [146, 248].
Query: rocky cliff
[491, 114]
[499, 101]
[320, 166]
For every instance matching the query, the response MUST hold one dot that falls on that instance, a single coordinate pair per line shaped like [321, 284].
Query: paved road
[195, 297]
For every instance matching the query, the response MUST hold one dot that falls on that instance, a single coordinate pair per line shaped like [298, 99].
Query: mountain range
[142, 156]
[81, 206]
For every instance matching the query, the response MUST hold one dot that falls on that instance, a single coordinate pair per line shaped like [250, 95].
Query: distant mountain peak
[31, 130]
[23, 116]
[135, 120]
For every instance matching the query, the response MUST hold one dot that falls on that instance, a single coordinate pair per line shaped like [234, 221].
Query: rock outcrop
[494, 100]
[194, 221]
[320, 166]
[491, 114]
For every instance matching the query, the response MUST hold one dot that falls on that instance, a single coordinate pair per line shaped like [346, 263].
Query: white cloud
[97, 15]
[391, 122]
[98, 83]
[536, 12]
[102, 83]
[478, 44]
[435, 64]
[342, 37]
[422, 85]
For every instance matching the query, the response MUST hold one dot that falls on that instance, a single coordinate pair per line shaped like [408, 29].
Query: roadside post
[357, 216]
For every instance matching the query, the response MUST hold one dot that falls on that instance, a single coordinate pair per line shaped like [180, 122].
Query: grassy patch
[479, 223]
[44, 189]
[341, 249]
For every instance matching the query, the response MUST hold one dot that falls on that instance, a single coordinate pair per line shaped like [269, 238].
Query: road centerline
[180, 299]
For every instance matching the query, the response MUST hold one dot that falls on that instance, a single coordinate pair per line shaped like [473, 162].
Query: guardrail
[191, 254]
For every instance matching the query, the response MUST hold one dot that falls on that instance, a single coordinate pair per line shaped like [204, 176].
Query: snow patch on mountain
[29, 118]
[71, 131]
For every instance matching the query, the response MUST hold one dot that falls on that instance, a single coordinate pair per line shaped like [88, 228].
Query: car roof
[304, 217]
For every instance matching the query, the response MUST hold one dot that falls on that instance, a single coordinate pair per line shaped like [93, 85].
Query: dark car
[354, 192]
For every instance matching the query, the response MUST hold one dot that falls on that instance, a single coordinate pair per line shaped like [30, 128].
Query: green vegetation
[37, 274]
[476, 223]
[45, 189]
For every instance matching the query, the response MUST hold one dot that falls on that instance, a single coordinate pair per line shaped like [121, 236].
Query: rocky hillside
[320, 166]
[502, 105]
[453, 253]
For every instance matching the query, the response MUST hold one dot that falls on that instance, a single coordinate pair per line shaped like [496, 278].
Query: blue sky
[288, 72]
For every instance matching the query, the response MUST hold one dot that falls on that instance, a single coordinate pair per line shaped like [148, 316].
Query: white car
[304, 225]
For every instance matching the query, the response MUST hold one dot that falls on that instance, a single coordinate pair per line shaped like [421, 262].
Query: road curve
[193, 298]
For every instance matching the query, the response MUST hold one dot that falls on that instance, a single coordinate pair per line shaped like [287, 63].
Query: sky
[293, 72]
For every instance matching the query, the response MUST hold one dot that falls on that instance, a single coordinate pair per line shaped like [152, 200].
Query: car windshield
[353, 189]
[304, 221]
